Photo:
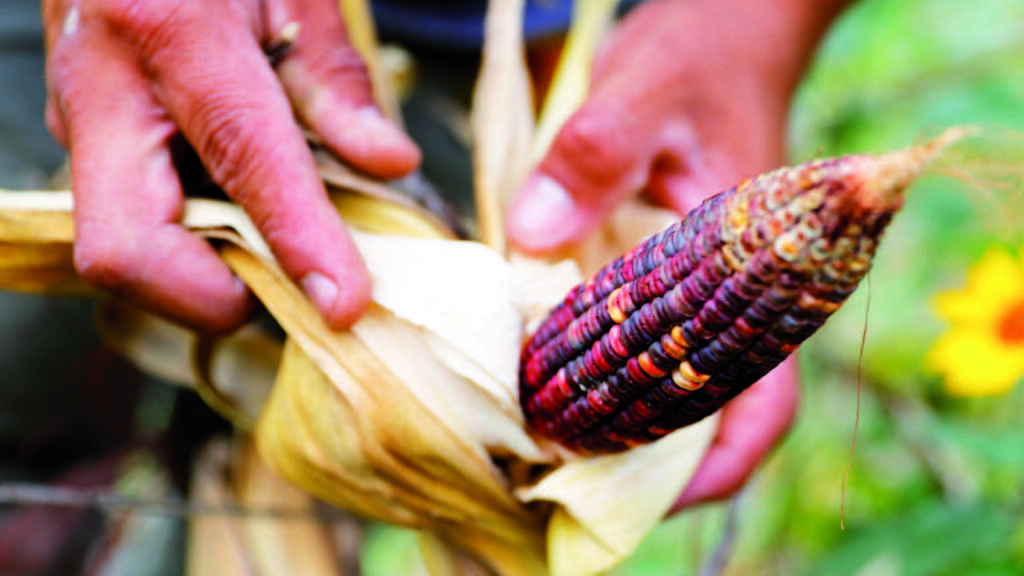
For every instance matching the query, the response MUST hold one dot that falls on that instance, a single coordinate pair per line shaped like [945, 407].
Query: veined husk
[282, 534]
[403, 417]
[412, 415]
[501, 118]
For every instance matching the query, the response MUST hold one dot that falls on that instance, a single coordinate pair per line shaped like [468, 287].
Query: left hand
[688, 98]
[751, 425]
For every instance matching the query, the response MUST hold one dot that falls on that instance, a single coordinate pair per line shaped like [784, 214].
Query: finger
[329, 86]
[232, 110]
[687, 173]
[128, 202]
[751, 425]
[55, 123]
[739, 143]
[598, 158]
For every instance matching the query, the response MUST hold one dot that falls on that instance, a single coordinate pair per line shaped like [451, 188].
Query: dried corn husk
[400, 418]
[572, 76]
[284, 535]
[411, 416]
[501, 119]
[36, 245]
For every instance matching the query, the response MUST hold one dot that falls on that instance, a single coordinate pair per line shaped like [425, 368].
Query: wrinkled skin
[125, 76]
[689, 97]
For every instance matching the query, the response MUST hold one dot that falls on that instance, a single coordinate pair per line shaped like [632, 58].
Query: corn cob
[665, 335]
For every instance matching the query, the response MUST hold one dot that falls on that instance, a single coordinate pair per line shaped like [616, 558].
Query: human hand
[688, 98]
[751, 425]
[127, 76]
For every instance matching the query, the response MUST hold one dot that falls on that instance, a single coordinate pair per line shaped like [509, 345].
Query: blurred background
[936, 485]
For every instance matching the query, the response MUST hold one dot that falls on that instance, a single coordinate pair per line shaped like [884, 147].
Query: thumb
[597, 160]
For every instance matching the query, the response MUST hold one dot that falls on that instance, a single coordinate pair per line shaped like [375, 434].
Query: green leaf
[935, 539]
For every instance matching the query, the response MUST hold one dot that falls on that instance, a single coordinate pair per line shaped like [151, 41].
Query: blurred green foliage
[936, 483]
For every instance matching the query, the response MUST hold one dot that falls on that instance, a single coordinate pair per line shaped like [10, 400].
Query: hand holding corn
[688, 97]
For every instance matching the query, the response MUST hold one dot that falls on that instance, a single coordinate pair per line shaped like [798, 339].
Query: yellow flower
[983, 351]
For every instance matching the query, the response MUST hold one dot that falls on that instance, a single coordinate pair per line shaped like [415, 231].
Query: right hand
[125, 76]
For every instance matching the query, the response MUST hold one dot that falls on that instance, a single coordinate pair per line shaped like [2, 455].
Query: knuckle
[222, 141]
[151, 25]
[132, 15]
[55, 123]
[593, 143]
[242, 160]
[339, 63]
[129, 15]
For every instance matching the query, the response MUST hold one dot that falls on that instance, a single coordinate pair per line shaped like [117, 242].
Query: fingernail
[321, 290]
[539, 215]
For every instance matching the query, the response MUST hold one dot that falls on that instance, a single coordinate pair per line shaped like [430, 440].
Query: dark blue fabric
[460, 23]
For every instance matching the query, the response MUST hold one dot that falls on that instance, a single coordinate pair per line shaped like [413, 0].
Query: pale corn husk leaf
[40, 268]
[411, 206]
[342, 425]
[440, 559]
[362, 35]
[473, 344]
[369, 214]
[36, 235]
[471, 410]
[501, 118]
[571, 81]
[399, 418]
[543, 285]
[224, 545]
[238, 371]
[608, 504]
[401, 69]
[155, 346]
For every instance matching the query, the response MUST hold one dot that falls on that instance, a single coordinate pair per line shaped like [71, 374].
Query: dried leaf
[222, 545]
[342, 425]
[608, 504]
[399, 418]
[571, 81]
[362, 34]
[238, 370]
[501, 118]
[36, 235]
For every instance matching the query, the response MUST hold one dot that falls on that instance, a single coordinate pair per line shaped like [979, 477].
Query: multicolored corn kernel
[665, 335]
